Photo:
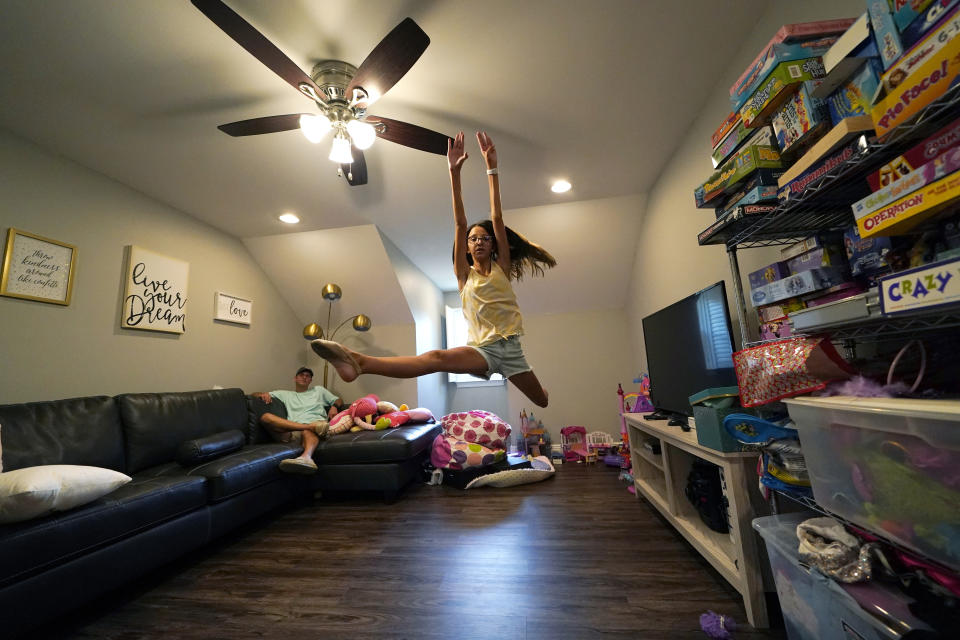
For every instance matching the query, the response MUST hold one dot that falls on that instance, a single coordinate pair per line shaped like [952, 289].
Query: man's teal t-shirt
[308, 406]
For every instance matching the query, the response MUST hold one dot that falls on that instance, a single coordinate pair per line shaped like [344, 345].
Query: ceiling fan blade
[410, 135]
[261, 48]
[256, 126]
[356, 173]
[389, 61]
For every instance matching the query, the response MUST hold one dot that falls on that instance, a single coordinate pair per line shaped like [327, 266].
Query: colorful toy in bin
[781, 466]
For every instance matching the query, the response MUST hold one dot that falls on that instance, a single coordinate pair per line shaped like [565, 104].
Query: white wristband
[492, 172]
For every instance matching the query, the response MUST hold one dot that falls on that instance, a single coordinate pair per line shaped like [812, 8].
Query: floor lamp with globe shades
[312, 331]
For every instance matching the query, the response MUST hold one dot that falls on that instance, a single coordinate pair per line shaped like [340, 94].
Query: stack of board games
[924, 73]
[913, 187]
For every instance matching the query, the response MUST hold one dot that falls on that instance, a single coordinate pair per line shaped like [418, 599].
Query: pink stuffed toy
[371, 413]
[354, 415]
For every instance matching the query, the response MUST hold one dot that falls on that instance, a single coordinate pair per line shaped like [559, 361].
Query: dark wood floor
[574, 557]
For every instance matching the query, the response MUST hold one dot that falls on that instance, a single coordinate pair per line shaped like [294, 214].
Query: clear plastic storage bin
[890, 465]
[816, 607]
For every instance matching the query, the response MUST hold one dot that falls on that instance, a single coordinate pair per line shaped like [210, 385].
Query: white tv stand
[661, 480]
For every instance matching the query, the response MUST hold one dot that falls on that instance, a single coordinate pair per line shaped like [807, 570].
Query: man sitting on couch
[308, 413]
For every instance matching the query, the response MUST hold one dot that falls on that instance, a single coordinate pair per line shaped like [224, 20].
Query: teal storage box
[710, 431]
[710, 407]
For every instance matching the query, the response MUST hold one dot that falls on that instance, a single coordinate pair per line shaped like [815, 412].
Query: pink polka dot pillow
[449, 453]
[478, 427]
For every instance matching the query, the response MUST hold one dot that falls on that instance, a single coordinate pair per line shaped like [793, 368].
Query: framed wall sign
[37, 268]
[232, 309]
[155, 292]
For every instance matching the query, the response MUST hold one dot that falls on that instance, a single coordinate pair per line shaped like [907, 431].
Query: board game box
[800, 120]
[927, 20]
[793, 33]
[854, 96]
[884, 31]
[906, 11]
[729, 176]
[742, 136]
[776, 88]
[943, 165]
[847, 153]
[930, 81]
[778, 54]
[912, 209]
[725, 128]
[724, 228]
[943, 32]
[925, 151]
[799, 284]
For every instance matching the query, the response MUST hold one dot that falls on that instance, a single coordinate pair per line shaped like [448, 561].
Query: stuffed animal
[370, 413]
[353, 416]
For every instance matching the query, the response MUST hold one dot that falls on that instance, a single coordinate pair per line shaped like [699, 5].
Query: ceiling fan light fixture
[362, 133]
[314, 128]
[340, 150]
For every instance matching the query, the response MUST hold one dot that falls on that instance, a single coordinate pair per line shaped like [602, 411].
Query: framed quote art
[155, 292]
[37, 268]
[232, 309]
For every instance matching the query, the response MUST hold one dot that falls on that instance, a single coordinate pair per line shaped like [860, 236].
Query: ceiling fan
[341, 92]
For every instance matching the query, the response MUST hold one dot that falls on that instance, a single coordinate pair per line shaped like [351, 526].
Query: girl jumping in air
[486, 257]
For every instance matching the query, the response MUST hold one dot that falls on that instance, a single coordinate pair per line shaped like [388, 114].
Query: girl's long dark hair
[524, 255]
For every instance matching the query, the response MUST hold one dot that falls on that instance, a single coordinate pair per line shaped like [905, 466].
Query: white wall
[426, 304]
[579, 357]
[51, 351]
[669, 264]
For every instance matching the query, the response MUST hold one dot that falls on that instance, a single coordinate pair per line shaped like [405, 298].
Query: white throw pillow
[35, 491]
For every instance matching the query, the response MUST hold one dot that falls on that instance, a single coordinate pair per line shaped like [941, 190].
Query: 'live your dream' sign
[155, 293]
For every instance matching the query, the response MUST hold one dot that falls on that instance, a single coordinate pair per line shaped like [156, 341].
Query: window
[714, 334]
[457, 337]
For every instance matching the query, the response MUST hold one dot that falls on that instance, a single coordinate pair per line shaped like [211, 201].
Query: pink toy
[574, 444]
[354, 415]
[392, 419]
[372, 414]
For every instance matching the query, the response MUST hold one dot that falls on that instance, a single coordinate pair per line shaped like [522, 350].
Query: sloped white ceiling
[300, 264]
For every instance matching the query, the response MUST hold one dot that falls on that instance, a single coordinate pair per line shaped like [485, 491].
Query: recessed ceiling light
[289, 218]
[560, 186]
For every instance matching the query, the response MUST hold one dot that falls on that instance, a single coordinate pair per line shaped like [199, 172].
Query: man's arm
[335, 408]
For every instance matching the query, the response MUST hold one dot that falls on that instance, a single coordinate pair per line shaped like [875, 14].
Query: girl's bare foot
[347, 368]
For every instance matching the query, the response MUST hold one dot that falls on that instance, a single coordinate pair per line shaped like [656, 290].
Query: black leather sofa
[382, 461]
[58, 562]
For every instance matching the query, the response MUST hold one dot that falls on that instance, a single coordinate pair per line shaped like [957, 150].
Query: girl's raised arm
[489, 152]
[456, 156]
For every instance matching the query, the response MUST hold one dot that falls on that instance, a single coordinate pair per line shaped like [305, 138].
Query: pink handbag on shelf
[787, 368]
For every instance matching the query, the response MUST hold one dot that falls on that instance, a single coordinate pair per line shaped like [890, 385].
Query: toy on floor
[574, 444]
[717, 626]
[536, 438]
[599, 442]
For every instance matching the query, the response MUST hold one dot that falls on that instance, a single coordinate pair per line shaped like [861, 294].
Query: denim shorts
[505, 356]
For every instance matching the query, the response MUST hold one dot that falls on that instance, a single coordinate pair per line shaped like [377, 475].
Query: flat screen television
[689, 348]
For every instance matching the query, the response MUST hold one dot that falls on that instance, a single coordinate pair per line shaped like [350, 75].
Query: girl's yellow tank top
[490, 307]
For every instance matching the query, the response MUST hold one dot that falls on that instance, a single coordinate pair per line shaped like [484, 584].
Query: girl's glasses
[479, 239]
